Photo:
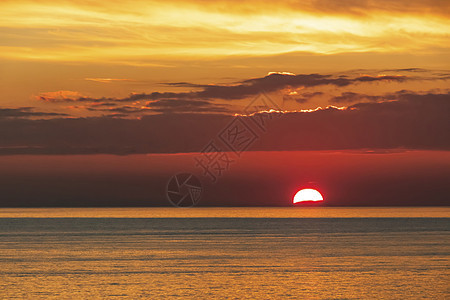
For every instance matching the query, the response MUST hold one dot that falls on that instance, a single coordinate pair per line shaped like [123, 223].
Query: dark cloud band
[412, 121]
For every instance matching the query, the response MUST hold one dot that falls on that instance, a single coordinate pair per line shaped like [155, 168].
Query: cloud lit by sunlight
[106, 80]
[133, 32]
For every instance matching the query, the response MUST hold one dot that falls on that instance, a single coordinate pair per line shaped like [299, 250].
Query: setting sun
[307, 195]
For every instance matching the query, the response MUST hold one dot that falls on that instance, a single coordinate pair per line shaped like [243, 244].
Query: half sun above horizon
[307, 195]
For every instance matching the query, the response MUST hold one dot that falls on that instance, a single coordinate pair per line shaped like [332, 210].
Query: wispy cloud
[351, 97]
[155, 32]
[301, 97]
[107, 80]
[240, 90]
[163, 106]
[27, 112]
[403, 95]
[60, 96]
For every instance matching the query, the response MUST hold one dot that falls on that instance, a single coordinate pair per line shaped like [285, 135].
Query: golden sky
[115, 48]
[154, 33]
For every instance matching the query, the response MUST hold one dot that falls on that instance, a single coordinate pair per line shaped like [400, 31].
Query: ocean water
[220, 253]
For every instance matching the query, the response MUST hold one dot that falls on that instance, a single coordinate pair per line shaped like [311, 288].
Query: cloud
[153, 33]
[274, 82]
[301, 98]
[60, 96]
[240, 90]
[365, 8]
[123, 110]
[26, 112]
[418, 70]
[281, 73]
[408, 101]
[162, 106]
[412, 121]
[351, 97]
[98, 104]
[106, 80]
[183, 105]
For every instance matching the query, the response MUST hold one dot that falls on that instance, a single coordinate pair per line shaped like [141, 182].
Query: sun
[307, 195]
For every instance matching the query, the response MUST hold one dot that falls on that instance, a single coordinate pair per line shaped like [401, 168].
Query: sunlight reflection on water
[229, 212]
[213, 257]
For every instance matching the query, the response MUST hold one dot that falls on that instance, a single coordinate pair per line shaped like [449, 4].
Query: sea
[225, 253]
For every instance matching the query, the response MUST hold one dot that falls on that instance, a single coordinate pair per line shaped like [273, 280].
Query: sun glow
[307, 195]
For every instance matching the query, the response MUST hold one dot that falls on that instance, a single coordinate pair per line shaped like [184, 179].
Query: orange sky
[155, 33]
[136, 77]
[115, 48]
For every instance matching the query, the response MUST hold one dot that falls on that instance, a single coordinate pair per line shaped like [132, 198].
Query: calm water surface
[233, 253]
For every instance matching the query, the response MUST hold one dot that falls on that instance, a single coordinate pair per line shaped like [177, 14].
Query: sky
[162, 77]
